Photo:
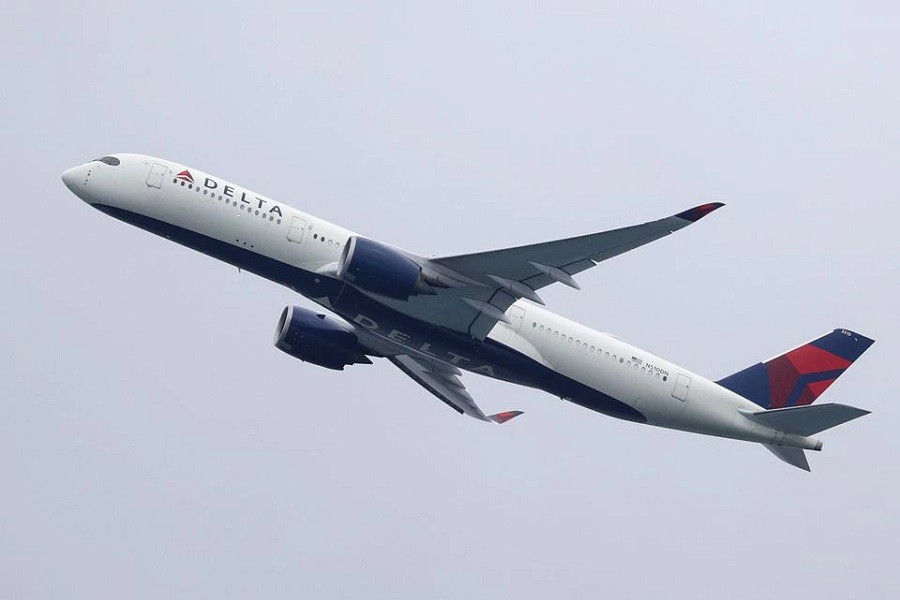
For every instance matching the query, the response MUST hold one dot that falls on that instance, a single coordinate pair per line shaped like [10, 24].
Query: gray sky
[154, 443]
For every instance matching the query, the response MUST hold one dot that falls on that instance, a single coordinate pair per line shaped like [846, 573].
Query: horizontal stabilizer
[790, 455]
[501, 418]
[805, 420]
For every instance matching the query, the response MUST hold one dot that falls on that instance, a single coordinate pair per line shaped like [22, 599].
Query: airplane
[435, 317]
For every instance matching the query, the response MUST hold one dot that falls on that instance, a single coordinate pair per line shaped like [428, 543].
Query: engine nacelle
[318, 339]
[380, 269]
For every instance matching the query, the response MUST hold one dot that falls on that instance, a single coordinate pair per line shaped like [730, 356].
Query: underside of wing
[539, 265]
[491, 281]
[442, 380]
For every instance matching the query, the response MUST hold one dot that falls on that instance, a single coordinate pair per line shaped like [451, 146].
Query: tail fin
[792, 456]
[799, 376]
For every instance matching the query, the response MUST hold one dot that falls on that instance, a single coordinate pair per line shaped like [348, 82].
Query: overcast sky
[153, 443]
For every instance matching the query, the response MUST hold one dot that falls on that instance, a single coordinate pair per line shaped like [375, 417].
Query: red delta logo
[185, 176]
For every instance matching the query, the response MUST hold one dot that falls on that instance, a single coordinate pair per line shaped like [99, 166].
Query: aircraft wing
[512, 273]
[443, 381]
[539, 265]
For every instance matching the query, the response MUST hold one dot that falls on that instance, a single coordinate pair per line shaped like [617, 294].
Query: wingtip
[698, 212]
[503, 417]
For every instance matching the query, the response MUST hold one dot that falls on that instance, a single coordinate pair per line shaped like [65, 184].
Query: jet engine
[381, 269]
[318, 339]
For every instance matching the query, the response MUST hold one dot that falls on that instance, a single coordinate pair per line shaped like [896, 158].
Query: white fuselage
[666, 394]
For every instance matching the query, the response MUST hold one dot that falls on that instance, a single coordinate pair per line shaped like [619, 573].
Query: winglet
[501, 418]
[698, 212]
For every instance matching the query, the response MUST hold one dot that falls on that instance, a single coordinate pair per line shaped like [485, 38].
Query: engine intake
[381, 269]
[318, 339]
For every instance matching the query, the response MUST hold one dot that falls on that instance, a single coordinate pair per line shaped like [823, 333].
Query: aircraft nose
[76, 180]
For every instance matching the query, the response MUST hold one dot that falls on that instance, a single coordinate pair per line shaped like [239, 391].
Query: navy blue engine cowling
[380, 269]
[318, 339]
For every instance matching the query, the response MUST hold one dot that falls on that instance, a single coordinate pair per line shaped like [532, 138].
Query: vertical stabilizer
[790, 455]
[799, 376]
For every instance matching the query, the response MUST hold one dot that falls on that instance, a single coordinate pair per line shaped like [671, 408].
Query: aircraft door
[156, 175]
[516, 316]
[297, 232]
[682, 387]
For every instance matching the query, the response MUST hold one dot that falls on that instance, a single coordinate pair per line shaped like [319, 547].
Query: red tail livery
[799, 376]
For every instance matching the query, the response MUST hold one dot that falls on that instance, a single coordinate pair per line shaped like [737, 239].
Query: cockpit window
[109, 160]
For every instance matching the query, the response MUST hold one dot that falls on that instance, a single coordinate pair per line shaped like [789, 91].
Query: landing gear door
[156, 175]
